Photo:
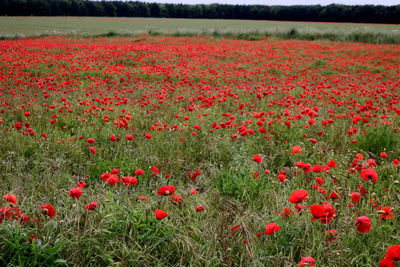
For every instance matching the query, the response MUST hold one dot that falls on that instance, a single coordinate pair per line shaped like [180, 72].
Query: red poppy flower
[90, 141]
[314, 141]
[383, 155]
[93, 150]
[18, 125]
[92, 205]
[393, 253]
[81, 184]
[271, 228]
[257, 158]
[148, 136]
[199, 208]
[307, 262]
[13, 213]
[298, 196]
[333, 196]
[332, 164]
[371, 163]
[319, 180]
[363, 224]
[355, 196]
[75, 193]
[129, 180]
[115, 171]
[176, 198]
[369, 174]
[113, 138]
[112, 179]
[387, 263]
[105, 176]
[160, 214]
[386, 213]
[317, 168]
[155, 169]
[296, 149]
[166, 190]
[139, 172]
[194, 176]
[193, 191]
[324, 212]
[48, 210]
[129, 137]
[299, 207]
[144, 198]
[10, 198]
[282, 177]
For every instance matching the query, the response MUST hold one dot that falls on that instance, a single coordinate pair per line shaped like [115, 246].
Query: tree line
[329, 13]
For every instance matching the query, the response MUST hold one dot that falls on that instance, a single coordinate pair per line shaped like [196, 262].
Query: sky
[282, 2]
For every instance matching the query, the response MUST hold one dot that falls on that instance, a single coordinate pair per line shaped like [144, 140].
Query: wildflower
[75, 193]
[363, 224]
[307, 262]
[236, 227]
[176, 198]
[296, 149]
[92, 205]
[386, 213]
[355, 196]
[324, 212]
[48, 210]
[93, 150]
[10, 198]
[112, 179]
[129, 180]
[144, 198]
[298, 196]
[392, 255]
[160, 214]
[166, 190]
[81, 184]
[257, 158]
[369, 174]
[193, 191]
[199, 208]
[139, 172]
[113, 138]
[383, 155]
[271, 228]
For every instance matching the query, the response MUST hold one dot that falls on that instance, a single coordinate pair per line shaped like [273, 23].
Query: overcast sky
[282, 2]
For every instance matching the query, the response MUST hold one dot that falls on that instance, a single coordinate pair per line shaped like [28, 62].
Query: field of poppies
[198, 151]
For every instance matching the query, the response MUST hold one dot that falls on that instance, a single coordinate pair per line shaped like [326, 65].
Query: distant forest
[330, 13]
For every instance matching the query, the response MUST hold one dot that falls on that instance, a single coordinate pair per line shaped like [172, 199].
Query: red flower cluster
[324, 213]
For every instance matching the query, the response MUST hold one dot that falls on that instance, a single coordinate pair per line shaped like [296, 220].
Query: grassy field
[11, 27]
[218, 133]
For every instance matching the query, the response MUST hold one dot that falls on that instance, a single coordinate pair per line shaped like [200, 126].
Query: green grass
[15, 27]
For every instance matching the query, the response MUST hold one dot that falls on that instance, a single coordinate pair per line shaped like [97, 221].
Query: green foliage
[379, 139]
[92, 27]
[18, 248]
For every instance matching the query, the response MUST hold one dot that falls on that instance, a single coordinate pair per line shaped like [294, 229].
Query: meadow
[157, 150]
[16, 27]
